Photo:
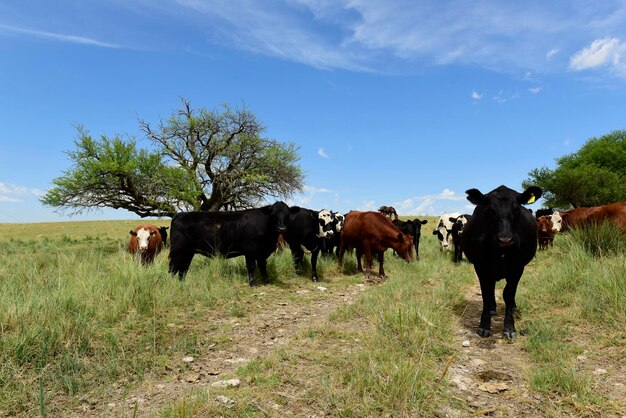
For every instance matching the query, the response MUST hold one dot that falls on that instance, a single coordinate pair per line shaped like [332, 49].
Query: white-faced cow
[146, 241]
[458, 226]
[252, 233]
[500, 239]
[443, 231]
[412, 228]
[333, 242]
[307, 230]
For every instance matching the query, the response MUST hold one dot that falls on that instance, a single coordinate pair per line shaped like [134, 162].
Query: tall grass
[573, 298]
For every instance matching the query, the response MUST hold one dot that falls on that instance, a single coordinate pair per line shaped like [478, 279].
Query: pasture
[86, 330]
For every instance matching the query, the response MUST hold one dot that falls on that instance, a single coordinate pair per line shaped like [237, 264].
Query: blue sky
[400, 103]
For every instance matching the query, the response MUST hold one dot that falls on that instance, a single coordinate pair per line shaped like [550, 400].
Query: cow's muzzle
[505, 242]
[282, 229]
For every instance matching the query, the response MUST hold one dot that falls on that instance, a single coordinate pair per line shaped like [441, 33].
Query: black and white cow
[412, 228]
[252, 233]
[443, 231]
[333, 242]
[307, 231]
[458, 225]
[500, 239]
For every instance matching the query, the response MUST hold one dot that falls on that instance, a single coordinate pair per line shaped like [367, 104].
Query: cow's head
[502, 211]
[458, 224]
[418, 226]
[404, 246]
[557, 222]
[326, 227]
[544, 224]
[338, 220]
[279, 216]
[143, 238]
[163, 232]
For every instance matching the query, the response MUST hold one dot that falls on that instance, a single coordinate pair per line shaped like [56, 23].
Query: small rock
[465, 343]
[301, 292]
[360, 285]
[599, 371]
[476, 362]
[188, 359]
[226, 401]
[321, 288]
[236, 360]
[493, 387]
[231, 383]
[111, 405]
[170, 325]
[581, 358]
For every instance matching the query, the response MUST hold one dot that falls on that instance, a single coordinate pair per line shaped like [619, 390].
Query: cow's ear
[133, 233]
[435, 232]
[452, 219]
[530, 195]
[476, 197]
[425, 221]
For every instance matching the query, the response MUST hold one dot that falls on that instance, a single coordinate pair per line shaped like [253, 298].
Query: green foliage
[594, 175]
[199, 160]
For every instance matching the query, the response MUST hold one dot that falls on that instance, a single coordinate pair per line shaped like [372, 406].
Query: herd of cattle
[499, 238]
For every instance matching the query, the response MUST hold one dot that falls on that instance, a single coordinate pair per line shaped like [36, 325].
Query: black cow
[333, 242]
[252, 233]
[544, 212]
[458, 226]
[163, 231]
[500, 239]
[307, 230]
[412, 228]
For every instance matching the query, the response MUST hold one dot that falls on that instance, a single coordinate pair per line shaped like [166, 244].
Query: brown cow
[370, 233]
[388, 211]
[545, 232]
[615, 212]
[145, 240]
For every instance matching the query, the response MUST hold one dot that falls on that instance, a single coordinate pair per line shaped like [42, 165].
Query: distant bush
[599, 239]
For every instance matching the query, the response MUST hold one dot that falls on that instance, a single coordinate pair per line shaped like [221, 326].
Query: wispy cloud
[13, 194]
[476, 96]
[503, 97]
[58, 36]
[535, 90]
[601, 52]
[366, 35]
[322, 153]
[431, 204]
[551, 53]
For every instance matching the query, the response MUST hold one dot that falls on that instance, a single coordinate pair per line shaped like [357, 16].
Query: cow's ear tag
[531, 199]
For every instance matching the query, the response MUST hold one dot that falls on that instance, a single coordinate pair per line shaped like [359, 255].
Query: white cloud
[476, 96]
[551, 53]
[601, 52]
[322, 153]
[502, 97]
[58, 37]
[430, 204]
[11, 193]
[535, 90]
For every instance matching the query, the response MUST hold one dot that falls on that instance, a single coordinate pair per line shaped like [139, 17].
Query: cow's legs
[179, 264]
[381, 270]
[298, 257]
[251, 266]
[262, 263]
[340, 252]
[367, 251]
[487, 289]
[314, 255]
[359, 254]
[509, 302]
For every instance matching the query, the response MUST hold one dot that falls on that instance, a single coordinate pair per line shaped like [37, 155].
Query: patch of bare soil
[490, 377]
[274, 317]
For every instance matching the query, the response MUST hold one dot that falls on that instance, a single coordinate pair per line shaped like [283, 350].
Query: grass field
[81, 323]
